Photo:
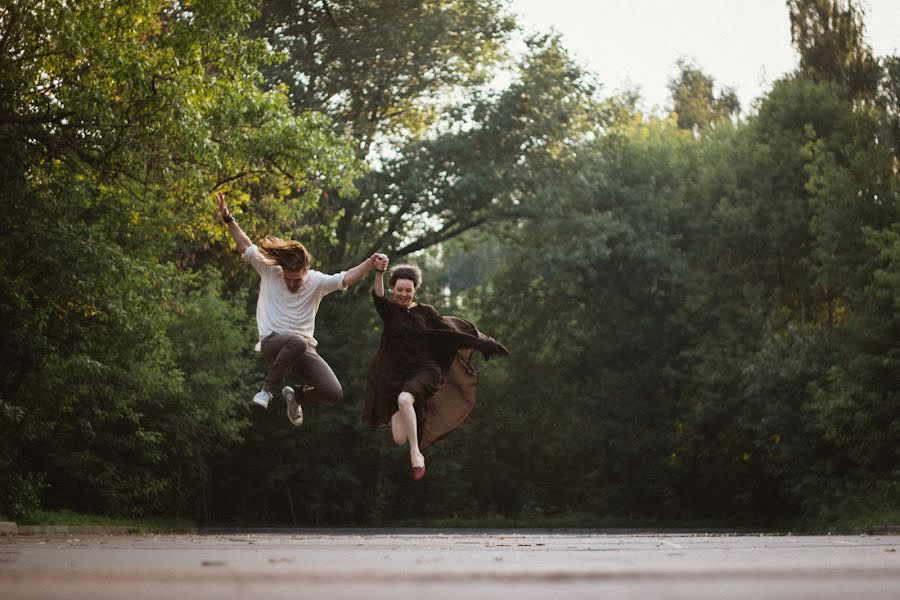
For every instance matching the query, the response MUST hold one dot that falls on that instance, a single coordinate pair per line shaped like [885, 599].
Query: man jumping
[289, 295]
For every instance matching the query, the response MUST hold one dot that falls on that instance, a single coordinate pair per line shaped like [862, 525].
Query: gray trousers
[288, 353]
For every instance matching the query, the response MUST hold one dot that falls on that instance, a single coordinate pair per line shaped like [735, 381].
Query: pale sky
[745, 44]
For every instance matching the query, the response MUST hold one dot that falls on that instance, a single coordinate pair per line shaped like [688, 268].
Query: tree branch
[440, 236]
[6, 34]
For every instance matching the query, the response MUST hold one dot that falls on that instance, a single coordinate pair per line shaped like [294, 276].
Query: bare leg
[397, 429]
[407, 416]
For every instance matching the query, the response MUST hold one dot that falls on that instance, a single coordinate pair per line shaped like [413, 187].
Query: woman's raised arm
[381, 264]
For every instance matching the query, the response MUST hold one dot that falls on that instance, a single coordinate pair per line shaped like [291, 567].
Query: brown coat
[429, 356]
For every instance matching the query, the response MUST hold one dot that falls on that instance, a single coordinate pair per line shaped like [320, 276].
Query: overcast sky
[745, 44]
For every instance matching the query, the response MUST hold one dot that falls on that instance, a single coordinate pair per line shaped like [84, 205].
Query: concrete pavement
[449, 564]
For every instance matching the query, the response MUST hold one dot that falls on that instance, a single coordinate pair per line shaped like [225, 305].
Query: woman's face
[404, 292]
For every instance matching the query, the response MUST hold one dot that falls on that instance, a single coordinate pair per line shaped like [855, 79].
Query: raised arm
[240, 238]
[355, 274]
[380, 267]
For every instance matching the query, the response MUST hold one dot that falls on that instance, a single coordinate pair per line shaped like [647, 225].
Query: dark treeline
[703, 307]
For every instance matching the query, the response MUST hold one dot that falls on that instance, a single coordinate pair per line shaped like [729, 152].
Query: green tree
[383, 71]
[116, 121]
[584, 296]
[695, 101]
[829, 35]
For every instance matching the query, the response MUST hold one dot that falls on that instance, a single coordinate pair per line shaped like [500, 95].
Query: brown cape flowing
[429, 356]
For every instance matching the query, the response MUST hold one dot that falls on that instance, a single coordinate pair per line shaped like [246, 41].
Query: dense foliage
[703, 306]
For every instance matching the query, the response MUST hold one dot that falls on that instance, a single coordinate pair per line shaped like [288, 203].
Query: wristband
[228, 218]
[380, 270]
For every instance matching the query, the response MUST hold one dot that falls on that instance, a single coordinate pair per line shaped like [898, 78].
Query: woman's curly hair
[410, 272]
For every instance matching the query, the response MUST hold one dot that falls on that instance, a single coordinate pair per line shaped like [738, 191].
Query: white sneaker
[294, 410]
[262, 398]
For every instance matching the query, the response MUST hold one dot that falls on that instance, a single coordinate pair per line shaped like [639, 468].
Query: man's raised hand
[223, 209]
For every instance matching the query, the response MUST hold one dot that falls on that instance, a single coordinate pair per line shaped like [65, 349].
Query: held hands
[379, 261]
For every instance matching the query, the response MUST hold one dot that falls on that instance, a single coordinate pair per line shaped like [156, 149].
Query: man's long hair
[288, 254]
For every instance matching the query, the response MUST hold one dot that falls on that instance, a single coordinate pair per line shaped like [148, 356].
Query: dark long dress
[428, 356]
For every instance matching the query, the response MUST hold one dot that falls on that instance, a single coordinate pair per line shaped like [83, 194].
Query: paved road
[392, 565]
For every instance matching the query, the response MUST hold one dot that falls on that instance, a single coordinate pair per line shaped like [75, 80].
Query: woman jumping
[421, 382]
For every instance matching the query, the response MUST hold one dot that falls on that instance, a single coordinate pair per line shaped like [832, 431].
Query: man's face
[294, 279]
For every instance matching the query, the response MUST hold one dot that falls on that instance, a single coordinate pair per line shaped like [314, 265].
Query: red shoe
[418, 473]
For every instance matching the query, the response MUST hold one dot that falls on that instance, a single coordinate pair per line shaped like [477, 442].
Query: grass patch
[850, 523]
[563, 521]
[872, 510]
[69, 518]
[857, 523]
